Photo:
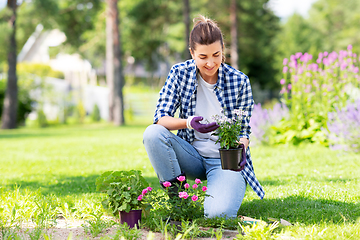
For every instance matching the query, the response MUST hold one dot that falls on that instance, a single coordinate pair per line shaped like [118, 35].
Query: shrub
[312, 89]
[80, 112]
[344, 127]
[263, 119]
[39, 69]
[41, 118]
[24, 100]
[95, 115]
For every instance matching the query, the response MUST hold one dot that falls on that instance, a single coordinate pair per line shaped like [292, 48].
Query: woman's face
[208, 59]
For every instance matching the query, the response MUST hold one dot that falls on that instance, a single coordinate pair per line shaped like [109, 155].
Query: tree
[234, 35]
[9, 114]
[187, 28]
[114, 72]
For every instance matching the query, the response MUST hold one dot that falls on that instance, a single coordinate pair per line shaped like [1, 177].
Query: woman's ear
[192, 54]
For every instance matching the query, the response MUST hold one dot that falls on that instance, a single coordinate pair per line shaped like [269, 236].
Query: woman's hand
[244, 141]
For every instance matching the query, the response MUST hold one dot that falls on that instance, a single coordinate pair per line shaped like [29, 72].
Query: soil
[65, 227]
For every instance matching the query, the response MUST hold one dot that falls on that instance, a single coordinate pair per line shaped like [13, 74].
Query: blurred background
[68, 51]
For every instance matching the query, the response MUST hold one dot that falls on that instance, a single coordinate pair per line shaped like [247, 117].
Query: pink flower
[186, 185]
[129, 188]
[289, 86]
[149, 189]
[183, 195]
[285, 69]
[282, 81]
[195, 186]
[198, 181]
[285, 61]
[204, 188]
[181, 178]
[140, 197]
[194, 198]
[166, 184]
[144, 191]
[349, 47]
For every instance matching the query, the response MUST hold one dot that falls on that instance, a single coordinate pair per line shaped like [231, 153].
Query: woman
[200, 88]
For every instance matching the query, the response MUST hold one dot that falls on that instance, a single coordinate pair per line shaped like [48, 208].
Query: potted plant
[123, 189]
[232, 153]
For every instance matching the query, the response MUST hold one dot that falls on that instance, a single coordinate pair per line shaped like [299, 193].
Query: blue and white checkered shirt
[233, 91]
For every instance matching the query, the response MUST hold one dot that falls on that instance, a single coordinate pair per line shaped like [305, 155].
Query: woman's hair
[205, 32]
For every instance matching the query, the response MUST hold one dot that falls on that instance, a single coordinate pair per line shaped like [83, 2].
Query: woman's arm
[172, 123]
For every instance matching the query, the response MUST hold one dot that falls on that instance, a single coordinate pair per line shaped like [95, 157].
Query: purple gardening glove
[202, 128]
[243, 159]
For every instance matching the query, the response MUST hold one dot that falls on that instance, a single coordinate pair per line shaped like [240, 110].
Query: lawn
[53, 170]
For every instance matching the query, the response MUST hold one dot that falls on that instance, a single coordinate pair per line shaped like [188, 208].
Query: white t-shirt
[207, 105]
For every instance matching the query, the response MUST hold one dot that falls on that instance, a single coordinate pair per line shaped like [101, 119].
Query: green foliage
[39, 69]
[24, 99]
[125, 232]
[41, 118]
[95, 115]
[80, 112]
[97, 225]
[122, 188]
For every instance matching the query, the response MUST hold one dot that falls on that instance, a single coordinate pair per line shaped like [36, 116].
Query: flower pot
[231, 158]
[132, 218]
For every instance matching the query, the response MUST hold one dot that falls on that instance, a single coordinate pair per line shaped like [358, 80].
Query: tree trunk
[186, 13]
[234, 35]
[114, 72]
[9, 114]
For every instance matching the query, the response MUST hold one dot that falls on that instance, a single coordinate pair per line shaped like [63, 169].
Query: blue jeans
[170, 155]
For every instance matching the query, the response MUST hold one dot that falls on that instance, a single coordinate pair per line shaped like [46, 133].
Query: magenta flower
[195, 186]
[289, 86]
[282, 81]
[181, 178]
[166, 184]
[149, 189]
[198, 181]
[129, 188]
[140, 197]
[183, 195]
[325, 54]
[194, 198]
[285, 61]
[285, 69]
[186, 185]
[204, 188]
[349, 47]
[144, 191]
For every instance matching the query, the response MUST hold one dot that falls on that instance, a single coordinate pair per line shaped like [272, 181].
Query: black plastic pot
[132, 218]
[231, 158]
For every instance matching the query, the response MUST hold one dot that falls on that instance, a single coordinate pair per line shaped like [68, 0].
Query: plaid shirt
[233, 91]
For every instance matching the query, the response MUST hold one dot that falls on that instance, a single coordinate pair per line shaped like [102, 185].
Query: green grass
[52, 171]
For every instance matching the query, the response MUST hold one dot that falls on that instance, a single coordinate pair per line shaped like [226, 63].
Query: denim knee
[153, 132]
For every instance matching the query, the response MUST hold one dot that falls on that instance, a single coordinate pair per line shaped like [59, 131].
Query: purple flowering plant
[229, 130]
[311, 88]
[185, 204]
[344, 127]
[263, 120]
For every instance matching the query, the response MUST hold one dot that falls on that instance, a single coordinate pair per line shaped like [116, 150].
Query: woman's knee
[152, 132]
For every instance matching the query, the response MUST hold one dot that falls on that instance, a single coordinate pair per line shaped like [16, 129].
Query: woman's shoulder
[233, 72]
[187, 66]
